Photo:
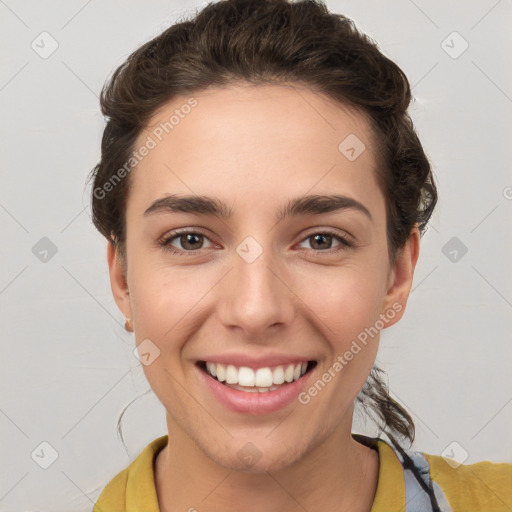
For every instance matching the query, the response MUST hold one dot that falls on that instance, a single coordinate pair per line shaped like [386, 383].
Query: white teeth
[212, 369]
[262, 379]
[254, 389]
[231, 374]
[246, 377]
[221, 372]
[288, 373]
[278, 375]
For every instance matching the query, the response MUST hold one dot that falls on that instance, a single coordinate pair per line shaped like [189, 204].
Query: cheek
[164, 299]
[165, 307]
[347, 313]
[347, 301]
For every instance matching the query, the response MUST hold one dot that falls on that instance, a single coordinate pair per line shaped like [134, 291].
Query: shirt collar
[389, 497]
[390, 494]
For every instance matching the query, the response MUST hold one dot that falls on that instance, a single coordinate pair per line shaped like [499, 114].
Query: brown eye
[183, 241]
[190, 241]
[322, 241]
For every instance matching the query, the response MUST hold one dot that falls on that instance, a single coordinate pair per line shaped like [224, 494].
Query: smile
[255, 390]
[256, 380]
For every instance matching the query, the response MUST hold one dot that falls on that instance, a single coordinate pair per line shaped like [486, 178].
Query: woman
[263, 192]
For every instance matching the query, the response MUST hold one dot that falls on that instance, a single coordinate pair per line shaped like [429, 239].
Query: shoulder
[134, 486]
[480, 486]
[112, 498]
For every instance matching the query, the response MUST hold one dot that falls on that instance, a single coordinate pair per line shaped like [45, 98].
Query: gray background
[67, 364]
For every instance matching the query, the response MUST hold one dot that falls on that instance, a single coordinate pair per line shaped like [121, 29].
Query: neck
[337, 475]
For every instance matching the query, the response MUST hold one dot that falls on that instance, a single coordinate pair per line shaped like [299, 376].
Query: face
[265, 284]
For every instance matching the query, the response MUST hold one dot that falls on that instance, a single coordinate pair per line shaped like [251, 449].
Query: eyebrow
[203, 205]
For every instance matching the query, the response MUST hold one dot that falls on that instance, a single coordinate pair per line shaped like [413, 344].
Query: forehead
[259, 140]
[286, 115]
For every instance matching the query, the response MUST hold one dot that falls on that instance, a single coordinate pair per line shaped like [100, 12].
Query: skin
[256, 147]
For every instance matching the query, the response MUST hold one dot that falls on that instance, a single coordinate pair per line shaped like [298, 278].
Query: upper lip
[262, 361]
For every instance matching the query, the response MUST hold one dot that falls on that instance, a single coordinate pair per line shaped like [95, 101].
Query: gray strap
[416, 499]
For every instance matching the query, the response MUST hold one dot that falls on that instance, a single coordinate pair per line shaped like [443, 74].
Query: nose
[256, 296]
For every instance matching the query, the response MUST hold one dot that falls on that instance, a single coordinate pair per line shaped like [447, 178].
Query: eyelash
[167, 239]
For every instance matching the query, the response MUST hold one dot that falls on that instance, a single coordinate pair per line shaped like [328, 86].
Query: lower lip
[254, 403]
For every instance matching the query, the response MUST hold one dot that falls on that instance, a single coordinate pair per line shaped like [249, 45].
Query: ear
[401, 277]
[118, 281]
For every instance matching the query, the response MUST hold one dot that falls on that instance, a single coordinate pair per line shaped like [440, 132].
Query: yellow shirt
[480, 487]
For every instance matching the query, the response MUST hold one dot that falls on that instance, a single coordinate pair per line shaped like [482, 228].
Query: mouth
[256, 380]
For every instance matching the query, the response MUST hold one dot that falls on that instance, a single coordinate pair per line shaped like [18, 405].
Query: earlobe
[401, 276]
[118, 281]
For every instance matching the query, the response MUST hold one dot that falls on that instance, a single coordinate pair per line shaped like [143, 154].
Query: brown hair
[272, 41]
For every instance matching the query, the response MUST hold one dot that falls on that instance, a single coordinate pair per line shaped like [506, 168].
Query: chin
[262, 466]
[252, 460]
